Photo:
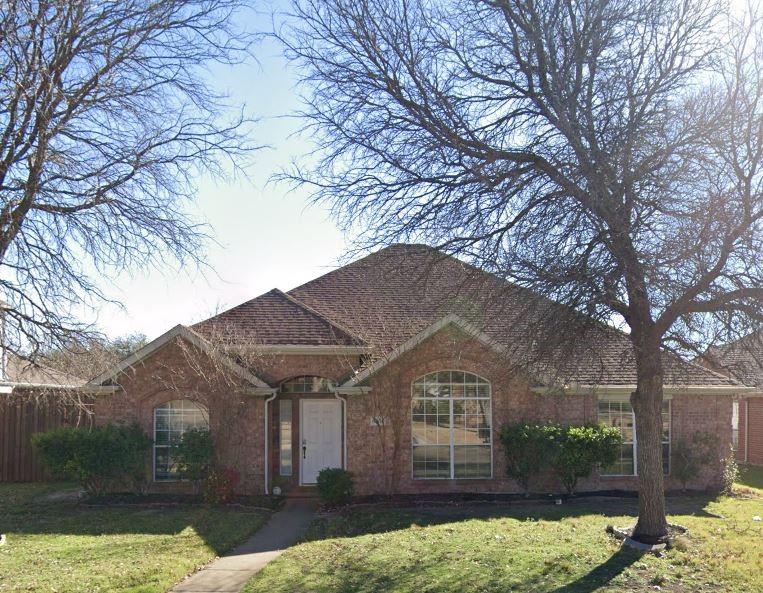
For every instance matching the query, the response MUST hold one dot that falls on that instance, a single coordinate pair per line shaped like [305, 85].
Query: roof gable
[187, 334]
[275, 318]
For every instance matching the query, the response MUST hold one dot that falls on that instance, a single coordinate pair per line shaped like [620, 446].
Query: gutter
[746, 430]
[626, 390]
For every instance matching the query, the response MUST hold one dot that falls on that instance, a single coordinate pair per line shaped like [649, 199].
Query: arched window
[171, 420]
[451, 426]
[307, 384]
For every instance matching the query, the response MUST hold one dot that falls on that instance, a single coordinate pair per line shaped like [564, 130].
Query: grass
[521, 548]
[67, 547]
[751, 477]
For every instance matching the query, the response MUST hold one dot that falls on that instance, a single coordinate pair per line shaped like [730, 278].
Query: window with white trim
[619, 414]
[451, 426]
[171, 420]
[307, 384]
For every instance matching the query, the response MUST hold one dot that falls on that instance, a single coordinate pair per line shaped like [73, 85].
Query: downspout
[746, 428]
[344, 427]
[267, 441]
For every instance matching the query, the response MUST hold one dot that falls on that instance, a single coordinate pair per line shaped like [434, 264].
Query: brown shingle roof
[392, 295]
[743, 359]
[274, 318]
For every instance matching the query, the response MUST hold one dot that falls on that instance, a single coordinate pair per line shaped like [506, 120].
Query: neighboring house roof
[21, 371]
[742, 358]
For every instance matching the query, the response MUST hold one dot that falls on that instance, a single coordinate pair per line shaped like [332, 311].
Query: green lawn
[751, 477]
[66, 547]
[521, 548]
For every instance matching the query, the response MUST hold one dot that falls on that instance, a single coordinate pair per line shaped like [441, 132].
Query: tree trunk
[652, 525]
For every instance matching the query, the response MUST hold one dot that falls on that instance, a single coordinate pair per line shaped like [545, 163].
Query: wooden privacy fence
[24, 413]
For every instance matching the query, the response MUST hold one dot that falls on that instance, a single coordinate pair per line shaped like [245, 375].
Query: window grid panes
[285, 436]
[451, 426]
[307, 385]
[619, 414]
[171, 420]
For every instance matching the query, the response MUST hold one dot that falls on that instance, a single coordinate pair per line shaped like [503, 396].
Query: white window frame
[635, 438]
[452, 444]
[155, 446]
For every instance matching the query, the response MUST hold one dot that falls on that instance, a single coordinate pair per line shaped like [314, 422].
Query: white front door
[321, 437]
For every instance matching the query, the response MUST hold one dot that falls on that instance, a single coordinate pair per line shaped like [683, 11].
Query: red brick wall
[379, 456]
[175, 372]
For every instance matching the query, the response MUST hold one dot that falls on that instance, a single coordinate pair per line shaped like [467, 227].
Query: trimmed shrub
[220, 485]
[529, 450]
[581, 448]
[100, 458]
[335, 486]
[687, 458]
[193, 455]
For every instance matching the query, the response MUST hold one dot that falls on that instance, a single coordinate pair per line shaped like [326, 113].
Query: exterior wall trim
[451, 319]
[311, 350]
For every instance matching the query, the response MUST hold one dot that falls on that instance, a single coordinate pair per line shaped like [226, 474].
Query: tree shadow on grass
[603, 574]
[35, 512]
[360, 520]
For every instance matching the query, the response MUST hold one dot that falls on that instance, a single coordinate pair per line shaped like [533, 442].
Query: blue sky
[268, 235]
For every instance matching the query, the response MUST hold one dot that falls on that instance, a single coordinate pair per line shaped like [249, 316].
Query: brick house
[401, 367]
[743, 360]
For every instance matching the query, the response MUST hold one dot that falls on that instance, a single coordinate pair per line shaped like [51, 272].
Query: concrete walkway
[229, 573]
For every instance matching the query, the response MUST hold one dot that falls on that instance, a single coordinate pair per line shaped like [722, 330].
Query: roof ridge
[317, 314]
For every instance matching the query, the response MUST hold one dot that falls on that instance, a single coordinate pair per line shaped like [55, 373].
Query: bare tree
[604, 153]
[106, 117]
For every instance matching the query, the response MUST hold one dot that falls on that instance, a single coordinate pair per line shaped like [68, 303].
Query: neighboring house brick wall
[755, 433]
[740, 452]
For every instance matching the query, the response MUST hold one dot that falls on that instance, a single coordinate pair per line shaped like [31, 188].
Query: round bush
[335, 486]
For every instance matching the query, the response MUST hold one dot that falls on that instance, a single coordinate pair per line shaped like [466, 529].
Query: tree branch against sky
[604, 153]
[107, 117]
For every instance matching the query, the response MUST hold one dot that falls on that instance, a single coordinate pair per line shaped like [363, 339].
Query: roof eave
[626, 390]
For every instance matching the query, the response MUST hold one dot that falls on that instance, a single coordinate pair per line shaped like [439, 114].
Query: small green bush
[100, 458]
[193, 454]
[529, 450]
[687, 458]
[581, 448]
[335, 486]
[220, 486]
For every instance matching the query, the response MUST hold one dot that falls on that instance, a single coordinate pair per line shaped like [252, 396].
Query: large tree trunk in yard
[652, 523]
